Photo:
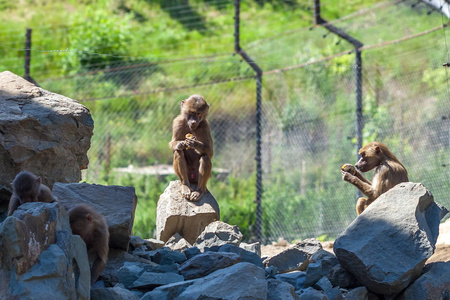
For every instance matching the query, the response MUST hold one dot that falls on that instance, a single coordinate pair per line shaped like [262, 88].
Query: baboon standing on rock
[389, 172]
[192, 147]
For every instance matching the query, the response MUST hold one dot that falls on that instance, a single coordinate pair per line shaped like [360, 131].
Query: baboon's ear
[377, 150]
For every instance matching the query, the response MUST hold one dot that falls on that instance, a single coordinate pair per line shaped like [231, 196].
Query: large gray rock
[434, 283]
[114, 293]
[387, 245]
[294, 258]
[175, 214]
[42, 132]
[204, 264]
[240, 281]
[40, 256]
[116, 203]
[218, 234]
[281, 290]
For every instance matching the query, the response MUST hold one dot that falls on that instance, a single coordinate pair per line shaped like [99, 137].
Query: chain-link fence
[307, 116]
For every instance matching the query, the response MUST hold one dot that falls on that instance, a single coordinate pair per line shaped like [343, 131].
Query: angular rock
[155, 244]
[27, 233]
[120, 216]
[191, 252]
[294, 258]
[313, 294]
[240, 281]
[40, 256]
[177, 243]
[206, 263]
[164, 256]
[245, 255]
[218, 234]
[175, 214]
[117, 258]
[281, 290]
[41, 131]
[358, 293]
[320, 265]
[129, 273]
[295, 278]
[387, 246]
[254, 247]
[339, 276]
[150, 280]
[115, 293]
[434, 283]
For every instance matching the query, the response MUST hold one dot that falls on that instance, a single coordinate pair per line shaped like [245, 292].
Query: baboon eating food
[389, 172]
[192, 147]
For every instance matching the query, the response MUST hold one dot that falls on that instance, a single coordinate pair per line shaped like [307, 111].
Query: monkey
[91, 226]
[27, 187]
[389, 172]
[192, 147]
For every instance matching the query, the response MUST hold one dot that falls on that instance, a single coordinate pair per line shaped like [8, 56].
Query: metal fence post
[359, 123]
[27, 75]
[259, 73]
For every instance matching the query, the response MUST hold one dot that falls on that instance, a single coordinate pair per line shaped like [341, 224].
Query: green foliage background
[84, 50]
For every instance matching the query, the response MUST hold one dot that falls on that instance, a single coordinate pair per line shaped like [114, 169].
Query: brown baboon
[389, 172]
[27, 187]
[93, 230]
[192, 146]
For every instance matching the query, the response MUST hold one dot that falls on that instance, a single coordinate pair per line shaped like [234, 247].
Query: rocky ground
[442, 252]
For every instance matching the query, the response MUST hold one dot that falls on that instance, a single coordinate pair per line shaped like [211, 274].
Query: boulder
[294, 258]
[321, 263]
[117, 258]
[281, 290]
[218, 234]
[240, 281]
[150, 280]
[295, 278]
[204, 264]
[116, 293]
[434, 283]
[245, 255]
[387, 245]
[175, 214]
[42, 132]
[178, 243]
[40, 256]
[120, 216]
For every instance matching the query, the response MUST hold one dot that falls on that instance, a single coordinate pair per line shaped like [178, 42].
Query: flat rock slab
[387, 245]
[116, 203]
[175, 214]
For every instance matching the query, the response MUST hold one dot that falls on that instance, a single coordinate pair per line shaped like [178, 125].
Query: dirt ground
[442, 252]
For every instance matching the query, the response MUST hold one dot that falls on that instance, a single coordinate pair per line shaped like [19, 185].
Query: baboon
[389, 172]
[93, 230]
[192, 147]
[27, 187]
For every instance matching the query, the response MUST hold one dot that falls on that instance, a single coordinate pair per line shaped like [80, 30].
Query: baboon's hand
[192, 143]
[348, 168]
[346, 176]
[180, 146]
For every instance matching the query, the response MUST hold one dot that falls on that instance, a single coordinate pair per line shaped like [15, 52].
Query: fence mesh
[308, 113]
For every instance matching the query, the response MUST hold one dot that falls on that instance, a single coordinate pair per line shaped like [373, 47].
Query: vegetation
[131, 61]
